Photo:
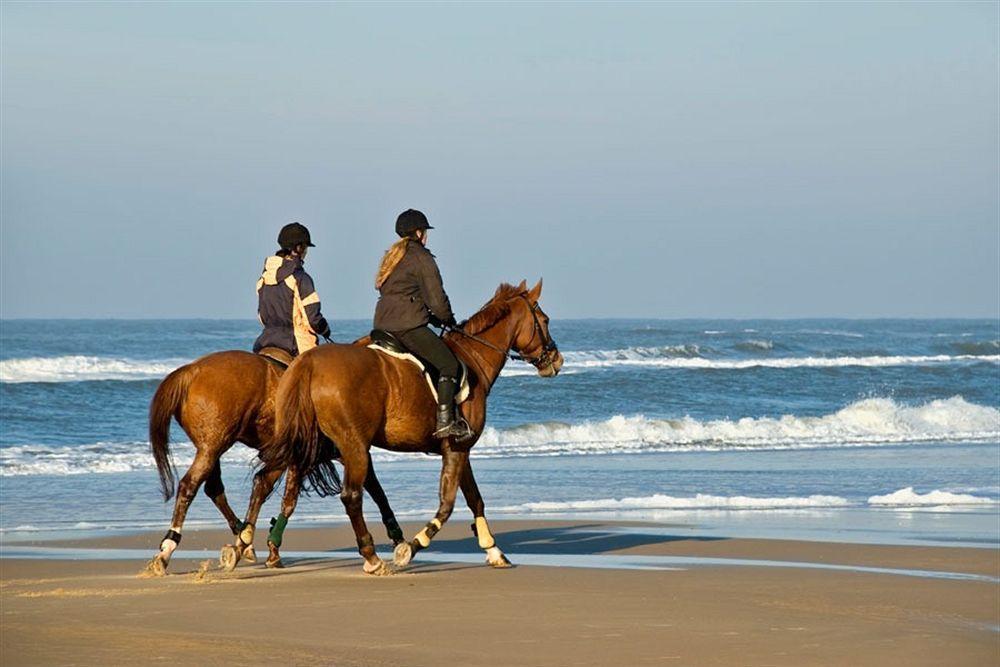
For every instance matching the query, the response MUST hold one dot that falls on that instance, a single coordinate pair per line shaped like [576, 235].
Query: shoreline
[699, 606]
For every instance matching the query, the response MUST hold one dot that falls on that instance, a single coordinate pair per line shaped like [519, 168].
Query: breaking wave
[870, 422]
[78, 368]
[909, 498]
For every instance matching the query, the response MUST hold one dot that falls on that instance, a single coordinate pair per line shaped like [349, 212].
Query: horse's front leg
[452, 463]
[494, 556]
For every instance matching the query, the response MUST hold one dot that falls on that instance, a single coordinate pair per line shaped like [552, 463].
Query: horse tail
[162, 409]
[298, 440]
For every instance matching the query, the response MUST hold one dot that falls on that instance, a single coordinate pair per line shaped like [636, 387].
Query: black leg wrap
[172, 535]
[237, 527]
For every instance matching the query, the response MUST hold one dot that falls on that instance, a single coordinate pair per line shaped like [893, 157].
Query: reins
[548, 346]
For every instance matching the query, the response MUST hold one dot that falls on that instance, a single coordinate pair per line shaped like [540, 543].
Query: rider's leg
[431, 348]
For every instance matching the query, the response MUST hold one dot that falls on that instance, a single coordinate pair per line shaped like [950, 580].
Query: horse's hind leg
[229, 557]
[453, 462]
[215, 490]
[355, 473]
[200, 469]
[374, 489]
[480, 528]
[293, 485]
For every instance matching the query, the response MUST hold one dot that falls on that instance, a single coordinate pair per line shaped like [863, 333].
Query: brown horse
[218, 400]
[356, 397]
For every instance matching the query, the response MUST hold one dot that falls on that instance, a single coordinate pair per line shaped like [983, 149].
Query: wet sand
[323, 610]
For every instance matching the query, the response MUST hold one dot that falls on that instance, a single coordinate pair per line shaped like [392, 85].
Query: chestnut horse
[218, 400]
[357, 397]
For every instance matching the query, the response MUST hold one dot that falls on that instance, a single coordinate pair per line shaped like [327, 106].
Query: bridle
[547, 351]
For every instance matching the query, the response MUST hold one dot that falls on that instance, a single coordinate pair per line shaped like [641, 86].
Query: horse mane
[493, 310]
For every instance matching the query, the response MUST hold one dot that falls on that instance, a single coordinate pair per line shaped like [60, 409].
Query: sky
[648, 160]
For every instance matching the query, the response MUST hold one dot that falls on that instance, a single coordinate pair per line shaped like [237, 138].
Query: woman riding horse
[411, 295]
[357, 397]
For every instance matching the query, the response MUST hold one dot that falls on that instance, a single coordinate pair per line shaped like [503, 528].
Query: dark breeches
[426, 344]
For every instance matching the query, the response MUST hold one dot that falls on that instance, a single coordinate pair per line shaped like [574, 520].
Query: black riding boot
[447, 424]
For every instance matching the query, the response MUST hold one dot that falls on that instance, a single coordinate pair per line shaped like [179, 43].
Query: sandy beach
[321, 609]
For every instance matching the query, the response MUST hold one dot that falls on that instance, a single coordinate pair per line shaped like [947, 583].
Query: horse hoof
[403, 554]
[157, 567]
[274, 563]
[249, 555]
[228, 558]
[379, 569]
[500, 563]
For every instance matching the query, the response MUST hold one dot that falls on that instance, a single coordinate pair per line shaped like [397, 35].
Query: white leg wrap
[246, 535]
[483, 533]
[167, 548]
[494, 555]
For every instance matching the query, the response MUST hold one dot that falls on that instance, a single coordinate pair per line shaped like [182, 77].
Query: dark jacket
[288, 307]
[412, 293]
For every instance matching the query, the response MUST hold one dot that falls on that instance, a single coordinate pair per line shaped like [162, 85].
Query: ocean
[884, 431]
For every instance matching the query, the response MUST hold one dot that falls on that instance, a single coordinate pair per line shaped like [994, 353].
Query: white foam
[909, 498]
[664, 502]
[76, 368]
[615, 358]
[870, 421]
[874, 421]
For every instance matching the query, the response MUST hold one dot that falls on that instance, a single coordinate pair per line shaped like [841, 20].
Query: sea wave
[909, 498]
[79, 368]
[616, 358]
[870, 422]
[660, 501]
[984, 348]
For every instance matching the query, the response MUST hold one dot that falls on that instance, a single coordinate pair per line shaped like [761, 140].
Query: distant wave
[755, 346]
[984, 348]
[77, 368]
[870, 422]
[641, 357]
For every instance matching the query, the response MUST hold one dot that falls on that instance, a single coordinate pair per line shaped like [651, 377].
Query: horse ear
[535, 292]
[523, 287]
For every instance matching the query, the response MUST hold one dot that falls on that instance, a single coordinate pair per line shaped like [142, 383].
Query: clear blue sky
[654, 160]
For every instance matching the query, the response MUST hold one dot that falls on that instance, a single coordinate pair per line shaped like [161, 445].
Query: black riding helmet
[410, 221]
[294, 234]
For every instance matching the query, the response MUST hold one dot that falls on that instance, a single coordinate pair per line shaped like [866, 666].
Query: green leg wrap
[278, 524]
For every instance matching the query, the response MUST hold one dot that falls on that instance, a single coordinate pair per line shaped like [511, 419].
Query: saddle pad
[277, 355]
[460, 395]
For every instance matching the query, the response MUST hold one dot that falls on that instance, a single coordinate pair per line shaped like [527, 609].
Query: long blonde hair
[392, 257]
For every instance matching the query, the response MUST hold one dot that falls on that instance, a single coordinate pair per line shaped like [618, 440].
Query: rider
[411, 297]
[287, 302]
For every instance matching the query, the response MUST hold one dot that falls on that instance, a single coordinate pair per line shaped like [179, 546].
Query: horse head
[532, 339]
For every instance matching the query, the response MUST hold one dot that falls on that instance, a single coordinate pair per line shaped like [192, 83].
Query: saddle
[386, 343]
[277, 356]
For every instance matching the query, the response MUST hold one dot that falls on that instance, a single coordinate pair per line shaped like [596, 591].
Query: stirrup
[458, 429]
